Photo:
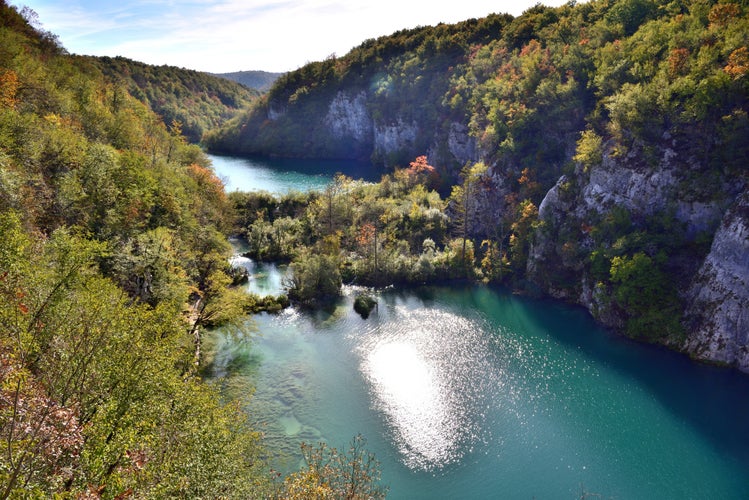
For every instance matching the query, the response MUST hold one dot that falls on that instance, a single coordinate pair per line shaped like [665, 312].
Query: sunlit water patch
[469, 393]
[429, 372]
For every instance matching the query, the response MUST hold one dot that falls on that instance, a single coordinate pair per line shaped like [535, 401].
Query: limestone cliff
[348, 117]
[718, 310]
[347, 128]
[391, 138]
[665, 208]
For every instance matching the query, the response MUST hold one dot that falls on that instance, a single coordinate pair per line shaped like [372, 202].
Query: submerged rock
[364, 304]
[290, 424]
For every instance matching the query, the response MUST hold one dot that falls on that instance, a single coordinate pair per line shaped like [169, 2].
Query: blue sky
[232, 35]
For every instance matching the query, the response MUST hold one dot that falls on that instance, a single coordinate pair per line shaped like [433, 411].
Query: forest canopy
[111, 227]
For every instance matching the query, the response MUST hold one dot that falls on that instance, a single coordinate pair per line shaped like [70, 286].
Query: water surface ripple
[475, 393]
[432, 378]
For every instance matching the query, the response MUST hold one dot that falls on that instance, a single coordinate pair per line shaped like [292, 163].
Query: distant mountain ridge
[258, 80]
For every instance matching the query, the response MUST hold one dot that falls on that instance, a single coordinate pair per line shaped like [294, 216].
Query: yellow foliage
[589, 149]
[307, 485]
[529, 210]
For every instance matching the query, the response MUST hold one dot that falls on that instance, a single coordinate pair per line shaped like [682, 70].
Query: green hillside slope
[112, 259]
[198, 101]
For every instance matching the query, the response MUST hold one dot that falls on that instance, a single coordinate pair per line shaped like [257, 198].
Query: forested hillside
[194, 102]
[599, 151]
[113, 259]
[110, 226]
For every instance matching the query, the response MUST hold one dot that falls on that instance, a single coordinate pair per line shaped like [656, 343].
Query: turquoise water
[476, 393]
[263, 278]
[279, 176]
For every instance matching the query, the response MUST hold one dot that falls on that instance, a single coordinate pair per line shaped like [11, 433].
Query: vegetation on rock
[364, 304]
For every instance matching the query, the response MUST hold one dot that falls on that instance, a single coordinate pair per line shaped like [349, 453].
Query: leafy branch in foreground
[330, 474]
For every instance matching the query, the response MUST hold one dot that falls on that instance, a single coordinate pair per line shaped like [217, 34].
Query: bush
[331, 474]
[315, 279]
[647, 295]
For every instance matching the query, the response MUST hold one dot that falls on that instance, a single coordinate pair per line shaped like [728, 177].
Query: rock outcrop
[348, 129]
[394, 137]
[718, 312]
[461, 146]
[713, 290]
[348, 117]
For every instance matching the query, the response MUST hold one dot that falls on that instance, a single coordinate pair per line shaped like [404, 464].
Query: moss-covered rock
[364, 304]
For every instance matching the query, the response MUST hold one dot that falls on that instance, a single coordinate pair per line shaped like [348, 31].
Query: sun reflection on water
[423, 379]
[409, 391]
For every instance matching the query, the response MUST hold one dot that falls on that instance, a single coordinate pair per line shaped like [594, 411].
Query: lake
[280, 175]
[263, 278]
[473, 392]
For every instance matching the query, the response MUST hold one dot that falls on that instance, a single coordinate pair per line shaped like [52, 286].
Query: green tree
[149, 268]
[92, 395]
[522, 231]
[589, 150]
[646, 295]
[463, 201]
[333, 205]
[315, 279]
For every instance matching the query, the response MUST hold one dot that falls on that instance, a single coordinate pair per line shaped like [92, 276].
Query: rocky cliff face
[348, 125]
[348, 117]
[459, 147]
[392, 138]
[578, 211]
[718, 310]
